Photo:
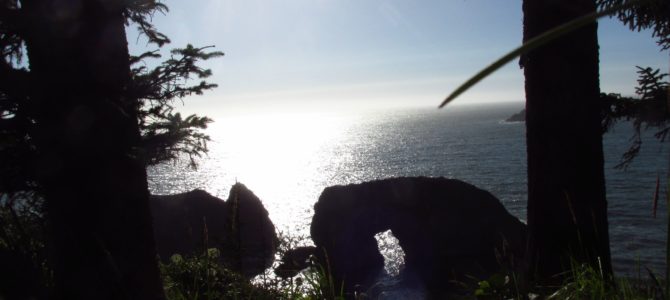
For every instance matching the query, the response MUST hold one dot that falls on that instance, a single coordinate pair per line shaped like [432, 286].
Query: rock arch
[447, 228]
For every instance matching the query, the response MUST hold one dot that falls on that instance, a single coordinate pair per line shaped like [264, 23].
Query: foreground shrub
[202, 277]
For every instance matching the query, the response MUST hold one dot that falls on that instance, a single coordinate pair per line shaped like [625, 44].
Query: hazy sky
[333, 54]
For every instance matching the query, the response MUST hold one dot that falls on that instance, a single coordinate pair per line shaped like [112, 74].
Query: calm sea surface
[288, 159]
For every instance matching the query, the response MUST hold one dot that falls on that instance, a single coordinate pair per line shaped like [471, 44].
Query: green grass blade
[535, 42]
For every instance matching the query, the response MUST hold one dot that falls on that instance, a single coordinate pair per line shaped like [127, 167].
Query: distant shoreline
[517, 117]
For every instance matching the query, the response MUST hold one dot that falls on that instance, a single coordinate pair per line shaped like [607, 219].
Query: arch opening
[394, 256]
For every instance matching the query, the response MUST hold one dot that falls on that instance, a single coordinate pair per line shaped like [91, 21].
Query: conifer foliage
[166, 134]
[650, 14]
[80, 119]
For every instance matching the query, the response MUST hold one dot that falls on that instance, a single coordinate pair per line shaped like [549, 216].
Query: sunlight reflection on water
[288, 159]
[285, 159]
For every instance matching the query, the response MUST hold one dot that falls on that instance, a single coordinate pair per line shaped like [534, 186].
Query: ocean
[287, 159]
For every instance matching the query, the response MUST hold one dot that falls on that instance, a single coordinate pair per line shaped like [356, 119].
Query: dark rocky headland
[517, 117]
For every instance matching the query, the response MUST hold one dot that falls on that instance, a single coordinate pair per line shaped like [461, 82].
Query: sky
[326, 55]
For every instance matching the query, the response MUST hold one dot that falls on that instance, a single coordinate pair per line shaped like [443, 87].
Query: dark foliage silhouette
[648, 110]
[80, 119]
[651, 14]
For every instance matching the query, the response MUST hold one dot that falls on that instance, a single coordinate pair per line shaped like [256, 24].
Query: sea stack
[240, 228]
[448, 229]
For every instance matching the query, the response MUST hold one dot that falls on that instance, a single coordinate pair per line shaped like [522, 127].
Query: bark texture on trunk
[567, 208]
[95, 188]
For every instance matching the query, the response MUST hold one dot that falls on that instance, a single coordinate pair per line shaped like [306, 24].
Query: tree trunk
[567, 208]
[95, 187]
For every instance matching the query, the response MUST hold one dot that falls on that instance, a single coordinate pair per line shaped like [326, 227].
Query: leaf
[534, 43]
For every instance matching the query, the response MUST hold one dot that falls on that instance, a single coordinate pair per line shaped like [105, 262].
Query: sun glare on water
[286, 159]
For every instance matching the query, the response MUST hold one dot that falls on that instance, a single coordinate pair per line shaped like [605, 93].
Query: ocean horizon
[287, 159]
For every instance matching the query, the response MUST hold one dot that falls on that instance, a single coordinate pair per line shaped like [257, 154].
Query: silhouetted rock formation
[253, 233]
[447, 229]
[518, 117]
[178, 222]
[239, 227]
